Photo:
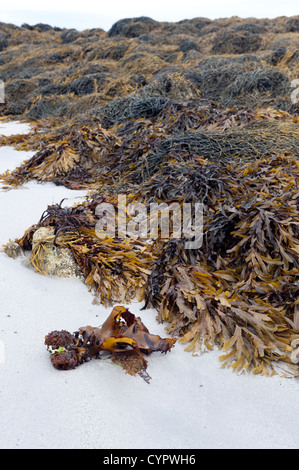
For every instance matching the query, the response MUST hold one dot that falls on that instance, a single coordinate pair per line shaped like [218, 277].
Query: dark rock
[292, 25]
[27, 26]
[133, 27]
[70, 35]
[201, 23]
[41, 27]
[188, 45]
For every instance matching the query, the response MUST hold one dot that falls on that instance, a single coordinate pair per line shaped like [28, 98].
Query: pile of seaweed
[134, 68]
[238, 291]
[207, 117]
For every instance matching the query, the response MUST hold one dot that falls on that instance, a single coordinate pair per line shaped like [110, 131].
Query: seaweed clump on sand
[122, 335]
[206, 118]
[238, 290]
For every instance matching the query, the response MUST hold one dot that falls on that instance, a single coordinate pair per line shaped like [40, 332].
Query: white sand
[191, 403]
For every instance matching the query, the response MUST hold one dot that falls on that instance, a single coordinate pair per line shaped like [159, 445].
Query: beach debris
[122, 334]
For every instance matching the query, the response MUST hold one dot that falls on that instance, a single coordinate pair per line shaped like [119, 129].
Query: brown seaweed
[238, 291]
[207, 117]
[122, 334]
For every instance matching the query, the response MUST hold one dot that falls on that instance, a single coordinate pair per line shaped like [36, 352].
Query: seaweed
[49, 72]
[238, 291]
[129, 152]
[239, 41]
[123, 335]
[187, 112]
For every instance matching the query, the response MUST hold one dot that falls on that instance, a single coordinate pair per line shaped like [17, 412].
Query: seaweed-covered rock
[3, 42]
[214, 82]
[70, 35]
[133, 27]
[27, 26]
[254, 84]
[188, 45]
[20, 89]
[56, 260]
[42, 27]
[49, 106]
[64, 61]
[292, 25]
[236, 42]
[216, 61]
[115, 51]
[250, 27]
[200, 23]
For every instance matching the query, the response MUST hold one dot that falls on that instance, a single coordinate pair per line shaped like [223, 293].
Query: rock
[292, 25]
[13, 249]
[53, 260]
[236, 42]
[133, 27]
[70, 35]
[251, 28]
[188, 45]
[27, 26]
[114, 52]
[42, 27]
[295, 352]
